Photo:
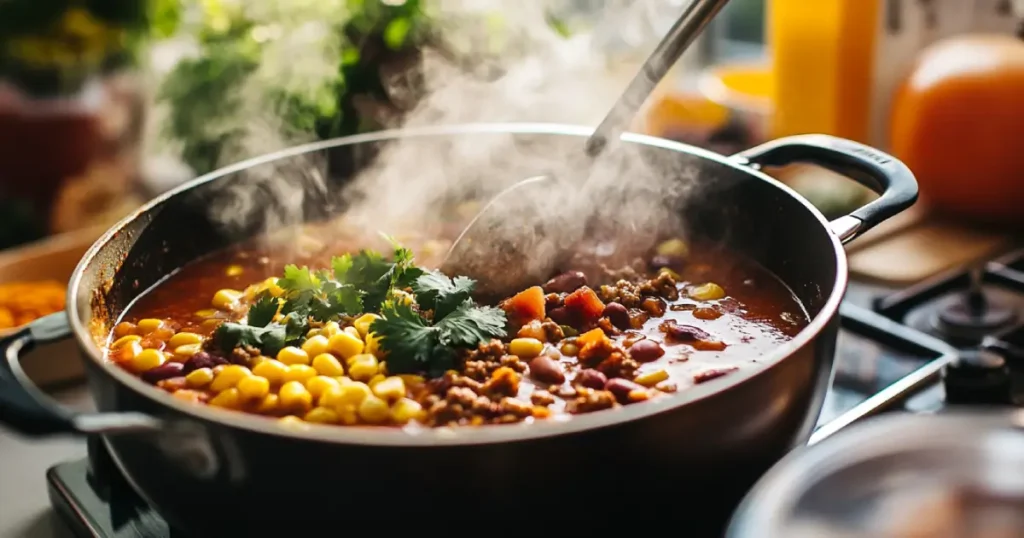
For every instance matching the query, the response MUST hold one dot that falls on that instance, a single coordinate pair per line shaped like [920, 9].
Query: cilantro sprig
[367, 282]
[415, 345]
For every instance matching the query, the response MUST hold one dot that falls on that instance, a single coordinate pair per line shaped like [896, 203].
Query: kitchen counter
[24, 503]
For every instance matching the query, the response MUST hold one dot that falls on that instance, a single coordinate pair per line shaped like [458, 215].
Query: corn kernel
[294, 396]
[206, 313]
[229, 377]
[312, 332]
[126, 340]
[316, 345]
[362, 367]
[149, 325]
[343, 380]
[322, 415]
[707, 292]
[292, 422]
[273, 289]
[298, 372]
[373, 346]
[330, 329]
[293, 355]
[269, 405]
[348, 414]
[373, 410]
[183, 339]
[185, 352]
[234, 270]
[362, 323]
[253, 387]
[211, 324]
[352, 330]
[147, 359]
[405, 410]
[569, 349]
[124, 329]
[390, 389]
[199, 378]
[317, 385]
[673, 247]
[326, 364]
[412, 379]
[403, 297]
[352, 394]
[226, 299]
[525, 348]
[345, 345]
[331, 397]
[127, 352]
[376, 379]
[228, 399]
[649, 379]
[272, 370]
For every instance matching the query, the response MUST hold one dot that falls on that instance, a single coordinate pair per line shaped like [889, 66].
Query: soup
[376, 339]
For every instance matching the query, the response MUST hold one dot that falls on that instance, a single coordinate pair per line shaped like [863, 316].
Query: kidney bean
[621, 388]
[563, 316]
[546, 370]
[683, 333]
[617, 314]
[202, 360]
[646, 351]
[566, 282]
[166, 370]
[713, 373]
[592, 379]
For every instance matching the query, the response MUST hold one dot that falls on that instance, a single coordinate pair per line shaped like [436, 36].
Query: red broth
[680, 321]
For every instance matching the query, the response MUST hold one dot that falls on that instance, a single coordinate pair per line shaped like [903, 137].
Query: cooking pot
[215, 473]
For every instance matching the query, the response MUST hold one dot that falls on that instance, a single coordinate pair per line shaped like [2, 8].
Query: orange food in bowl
[23, 302]
[956, 122]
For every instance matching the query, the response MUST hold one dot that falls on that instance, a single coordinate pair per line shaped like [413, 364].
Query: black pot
[683, 459]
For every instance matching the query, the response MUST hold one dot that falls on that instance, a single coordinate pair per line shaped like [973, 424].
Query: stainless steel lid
[956, 474]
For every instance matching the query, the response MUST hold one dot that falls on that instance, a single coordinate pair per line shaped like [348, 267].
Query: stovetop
[957, 339]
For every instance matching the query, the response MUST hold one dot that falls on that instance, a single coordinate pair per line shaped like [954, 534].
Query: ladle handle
[690, 24]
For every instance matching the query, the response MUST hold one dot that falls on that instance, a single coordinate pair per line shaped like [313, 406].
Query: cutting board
[54, 258]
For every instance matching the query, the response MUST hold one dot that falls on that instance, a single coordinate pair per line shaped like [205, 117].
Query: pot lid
[956, 474]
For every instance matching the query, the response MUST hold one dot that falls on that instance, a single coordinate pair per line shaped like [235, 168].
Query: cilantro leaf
[262, 312]
[435, 291]
[341, 266]
[269, 339]
[335, 300]
[297, 279]
[409, 341]
[469, 325]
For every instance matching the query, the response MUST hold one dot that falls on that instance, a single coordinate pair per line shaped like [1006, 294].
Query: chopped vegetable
[528, 304]
[585, 302]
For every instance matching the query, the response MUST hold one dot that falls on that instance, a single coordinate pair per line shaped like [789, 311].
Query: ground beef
[590, 400]
[618, 364]
[480, 363]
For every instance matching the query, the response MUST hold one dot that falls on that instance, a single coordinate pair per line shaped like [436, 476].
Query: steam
[409, 187]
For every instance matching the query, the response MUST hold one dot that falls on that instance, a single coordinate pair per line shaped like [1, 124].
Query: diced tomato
[528, 304]
[586, 302]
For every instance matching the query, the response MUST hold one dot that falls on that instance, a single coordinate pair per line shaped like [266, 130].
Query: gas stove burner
[972, 316]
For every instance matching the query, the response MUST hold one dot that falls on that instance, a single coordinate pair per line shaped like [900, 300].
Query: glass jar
[71, 116]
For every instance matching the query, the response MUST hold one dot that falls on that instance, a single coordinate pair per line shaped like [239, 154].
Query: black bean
[617, 314]
[166, 370]
[566, 282]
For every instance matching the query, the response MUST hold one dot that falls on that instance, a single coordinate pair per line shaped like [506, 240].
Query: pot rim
[446, 436]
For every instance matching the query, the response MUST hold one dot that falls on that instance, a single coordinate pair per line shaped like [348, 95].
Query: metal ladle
[501, 266]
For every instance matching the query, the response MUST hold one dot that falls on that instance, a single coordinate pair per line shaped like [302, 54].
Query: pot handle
[25, 409]
[877, 170]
